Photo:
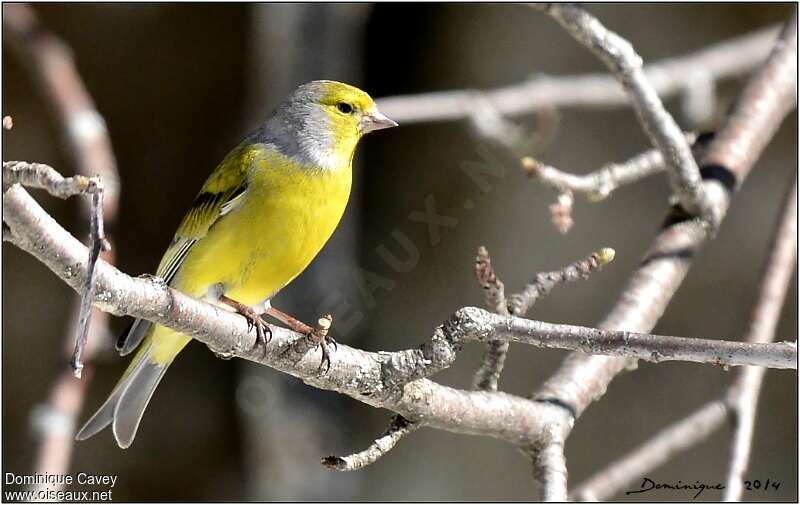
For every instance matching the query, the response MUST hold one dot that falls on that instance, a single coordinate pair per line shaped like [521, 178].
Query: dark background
[179, 85]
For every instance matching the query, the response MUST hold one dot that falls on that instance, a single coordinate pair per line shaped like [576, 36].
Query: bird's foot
[254, 320]
[319, 337]
[316, 337]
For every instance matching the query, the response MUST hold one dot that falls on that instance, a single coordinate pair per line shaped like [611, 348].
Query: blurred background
[180, 85]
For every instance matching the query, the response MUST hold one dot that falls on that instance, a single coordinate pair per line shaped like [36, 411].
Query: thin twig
[493, 288]
[494, 357]
[626, 65]
[398, 429]
[98, 242]
[544, 282]
[311, 339]
[647, 347]
[83, 130]
[38, 175]
[601, 183]
[519, 304]
[730, 58]
[771, 293]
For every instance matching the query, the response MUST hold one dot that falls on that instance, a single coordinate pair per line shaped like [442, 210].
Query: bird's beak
[375, 120]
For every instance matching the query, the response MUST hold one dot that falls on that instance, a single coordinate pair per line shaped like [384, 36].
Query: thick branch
[390, 380]
[467, 324]
[550, 468]
[730, 58]
[765, 101]
[741, 398]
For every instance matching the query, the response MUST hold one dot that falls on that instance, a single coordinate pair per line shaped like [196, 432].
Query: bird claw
[326, 353]
[312, 338]
[254, 320]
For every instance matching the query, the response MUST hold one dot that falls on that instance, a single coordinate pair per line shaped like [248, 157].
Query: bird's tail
[125, 406]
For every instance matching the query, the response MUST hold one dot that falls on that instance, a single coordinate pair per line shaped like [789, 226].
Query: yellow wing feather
[223, 189]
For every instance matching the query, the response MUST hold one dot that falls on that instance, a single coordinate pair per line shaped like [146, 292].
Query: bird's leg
[317, 336]
[263, 332]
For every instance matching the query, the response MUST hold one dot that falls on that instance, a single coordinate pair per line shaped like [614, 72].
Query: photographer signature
[650, 485]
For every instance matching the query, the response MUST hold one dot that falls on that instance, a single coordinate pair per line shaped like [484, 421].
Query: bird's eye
[344, 108]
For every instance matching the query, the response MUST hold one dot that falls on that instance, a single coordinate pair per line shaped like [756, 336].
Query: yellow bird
[259, 220]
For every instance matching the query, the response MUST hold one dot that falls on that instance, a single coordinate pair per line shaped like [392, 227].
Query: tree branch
[765, 101]
[398, 428]
[391, 380]
[730, 58]
[626, 65]
[544, 282]
[654, 348]
[599, 184]
[771, 293]
[519, 304]
[85, 139]
[50, 61]
[40, 176]
[398, 380]
[743, 394]
[494, 357]
[550, 468]
[44, 177]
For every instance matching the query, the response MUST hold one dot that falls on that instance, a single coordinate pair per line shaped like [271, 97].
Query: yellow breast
[288, 215]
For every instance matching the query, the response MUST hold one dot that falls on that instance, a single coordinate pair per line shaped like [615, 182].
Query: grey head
[321, 122]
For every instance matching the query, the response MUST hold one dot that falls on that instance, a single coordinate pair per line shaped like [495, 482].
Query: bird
[259, 220]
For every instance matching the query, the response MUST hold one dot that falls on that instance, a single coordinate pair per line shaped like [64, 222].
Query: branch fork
[45, 177]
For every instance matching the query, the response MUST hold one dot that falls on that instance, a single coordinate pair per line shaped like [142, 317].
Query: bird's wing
[222, 192]
[206, 210]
